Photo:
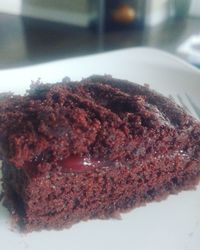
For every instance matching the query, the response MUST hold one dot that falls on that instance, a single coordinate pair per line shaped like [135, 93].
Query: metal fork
[188, 104]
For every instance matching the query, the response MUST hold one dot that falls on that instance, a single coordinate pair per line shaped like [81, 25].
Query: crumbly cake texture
[92, 149]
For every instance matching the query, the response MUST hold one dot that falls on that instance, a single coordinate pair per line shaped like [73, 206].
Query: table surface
[28, 41]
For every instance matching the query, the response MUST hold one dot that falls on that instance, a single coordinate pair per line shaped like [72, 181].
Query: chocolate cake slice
[92, 149]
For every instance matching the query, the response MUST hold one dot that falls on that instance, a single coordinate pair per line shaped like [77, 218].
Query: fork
[186, 102]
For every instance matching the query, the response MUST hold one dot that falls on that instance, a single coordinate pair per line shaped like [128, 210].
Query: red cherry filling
[78, 164]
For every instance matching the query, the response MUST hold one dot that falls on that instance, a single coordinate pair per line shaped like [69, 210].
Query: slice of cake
[92, 149]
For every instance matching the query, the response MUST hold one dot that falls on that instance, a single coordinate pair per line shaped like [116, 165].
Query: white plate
[173, 224]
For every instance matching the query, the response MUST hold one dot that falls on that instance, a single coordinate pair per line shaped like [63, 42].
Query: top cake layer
[99, 118]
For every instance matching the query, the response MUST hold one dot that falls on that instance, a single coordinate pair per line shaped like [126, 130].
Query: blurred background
[35, 31]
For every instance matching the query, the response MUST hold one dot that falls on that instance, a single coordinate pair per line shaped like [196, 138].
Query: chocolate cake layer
[92, 149]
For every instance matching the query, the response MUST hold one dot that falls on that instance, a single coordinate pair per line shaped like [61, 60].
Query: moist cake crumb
[74, 151]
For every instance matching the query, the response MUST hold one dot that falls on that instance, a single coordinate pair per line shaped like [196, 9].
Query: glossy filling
[78, 164]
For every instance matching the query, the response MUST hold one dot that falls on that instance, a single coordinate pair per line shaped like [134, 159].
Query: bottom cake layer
[59, 199]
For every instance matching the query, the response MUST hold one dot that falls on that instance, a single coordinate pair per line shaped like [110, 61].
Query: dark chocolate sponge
[91, 149]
